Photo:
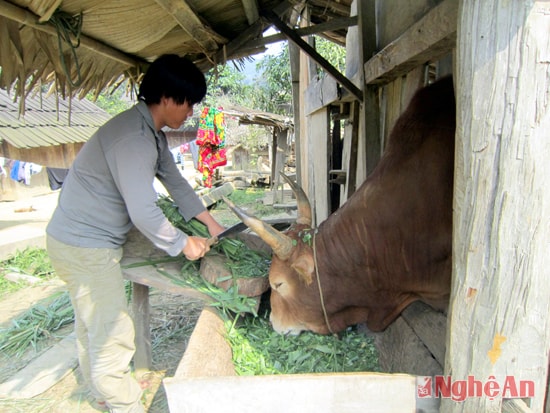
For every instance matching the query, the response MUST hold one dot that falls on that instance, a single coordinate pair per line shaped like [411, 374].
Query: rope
[319, 285]
[68, 27]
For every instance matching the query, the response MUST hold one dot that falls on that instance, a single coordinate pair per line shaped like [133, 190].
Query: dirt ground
[173, 318]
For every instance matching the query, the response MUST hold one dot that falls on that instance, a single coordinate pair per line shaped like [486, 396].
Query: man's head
[175, 77]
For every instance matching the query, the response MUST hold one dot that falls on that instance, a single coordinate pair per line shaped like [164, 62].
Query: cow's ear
[304, 266]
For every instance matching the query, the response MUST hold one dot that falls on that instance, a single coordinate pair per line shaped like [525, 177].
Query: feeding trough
[206, 381]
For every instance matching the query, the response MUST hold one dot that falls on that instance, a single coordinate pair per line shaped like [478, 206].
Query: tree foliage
[114, 101]
[273, 83]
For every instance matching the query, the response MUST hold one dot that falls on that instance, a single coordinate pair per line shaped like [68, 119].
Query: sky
[272, 49]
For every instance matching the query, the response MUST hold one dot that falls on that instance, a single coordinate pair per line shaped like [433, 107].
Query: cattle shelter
[497, 327]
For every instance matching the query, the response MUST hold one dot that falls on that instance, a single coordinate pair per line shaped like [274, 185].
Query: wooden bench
[143, 278]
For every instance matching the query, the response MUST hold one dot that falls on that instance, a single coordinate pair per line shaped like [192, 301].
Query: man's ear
[304, 266]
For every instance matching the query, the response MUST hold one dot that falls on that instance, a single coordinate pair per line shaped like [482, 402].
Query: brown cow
[387, 246]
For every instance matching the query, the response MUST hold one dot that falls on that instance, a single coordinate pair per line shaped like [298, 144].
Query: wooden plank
[43, 372]
[321, 93]
[430, 38]
[318, 130]
[401, 351]
[499, 307]
[430, 326]
[150, 276]
[208, 353]
[352, 165]
[216, 194]
[515, 406]
[304, 393]
[143, 359]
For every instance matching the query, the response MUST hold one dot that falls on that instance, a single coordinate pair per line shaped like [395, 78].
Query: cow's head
[295, 299]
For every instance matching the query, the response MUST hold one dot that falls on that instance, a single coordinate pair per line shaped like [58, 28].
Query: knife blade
[279, 224]
[238, 227]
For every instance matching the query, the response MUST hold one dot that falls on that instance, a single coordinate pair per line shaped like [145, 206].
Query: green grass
[250, 199]
[38, 323]
[258, 350]
[31, 261]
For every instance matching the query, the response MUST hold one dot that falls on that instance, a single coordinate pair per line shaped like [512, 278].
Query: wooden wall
[366, 128]
[58, 156]
[499, 324]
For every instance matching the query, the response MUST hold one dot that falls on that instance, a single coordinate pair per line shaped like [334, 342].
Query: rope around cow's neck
[319, 284]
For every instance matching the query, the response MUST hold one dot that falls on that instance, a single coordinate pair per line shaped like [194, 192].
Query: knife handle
[211, 241]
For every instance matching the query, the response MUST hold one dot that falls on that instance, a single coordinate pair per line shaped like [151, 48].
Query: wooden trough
[205, 381]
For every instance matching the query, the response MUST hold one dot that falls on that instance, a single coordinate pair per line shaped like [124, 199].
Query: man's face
[176, 114]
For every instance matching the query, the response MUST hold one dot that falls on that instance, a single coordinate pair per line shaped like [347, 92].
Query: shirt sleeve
[133, 166]
[185, 197]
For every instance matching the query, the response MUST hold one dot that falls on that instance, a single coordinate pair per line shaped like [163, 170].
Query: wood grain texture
[499, 318]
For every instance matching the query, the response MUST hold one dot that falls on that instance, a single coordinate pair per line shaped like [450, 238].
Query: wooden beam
[233, 47]
[370, 111]
[352, 166]
[251, 10]
[29, 19]
[334, 24]
[320, 60]
[430, 38]
[191, 23]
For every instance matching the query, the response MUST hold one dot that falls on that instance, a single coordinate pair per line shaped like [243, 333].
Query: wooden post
[140, 308]
[294, 54]
[499, 320]
[370, 109]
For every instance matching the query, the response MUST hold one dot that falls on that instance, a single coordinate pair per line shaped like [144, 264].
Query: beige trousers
[104, 329]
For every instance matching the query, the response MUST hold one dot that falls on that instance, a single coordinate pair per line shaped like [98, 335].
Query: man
[108, 189]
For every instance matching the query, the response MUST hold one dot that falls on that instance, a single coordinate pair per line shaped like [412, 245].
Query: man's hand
[196, 248]
[214, 228]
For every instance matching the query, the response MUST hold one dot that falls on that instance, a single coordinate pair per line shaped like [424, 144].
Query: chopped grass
[258, 350]
[37, 323]
[228, 302]
[242, 261]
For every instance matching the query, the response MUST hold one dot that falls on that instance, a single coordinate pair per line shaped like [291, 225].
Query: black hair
[175, 77]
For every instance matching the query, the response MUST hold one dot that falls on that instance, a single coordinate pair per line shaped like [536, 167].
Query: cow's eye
[280, 287]
[276, 286]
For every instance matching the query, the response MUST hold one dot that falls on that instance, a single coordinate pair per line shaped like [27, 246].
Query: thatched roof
[104, 40]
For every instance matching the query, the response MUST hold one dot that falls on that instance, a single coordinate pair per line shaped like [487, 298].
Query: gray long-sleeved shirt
[110, 186]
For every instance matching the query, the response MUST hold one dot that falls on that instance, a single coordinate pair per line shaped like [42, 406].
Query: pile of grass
[36, 324]
[258, 350]
[242, 261]
[30, 261]
[229, 303]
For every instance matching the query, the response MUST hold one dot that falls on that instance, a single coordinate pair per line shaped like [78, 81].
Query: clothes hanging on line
[22, 171]
[56, 176]
[211, 141]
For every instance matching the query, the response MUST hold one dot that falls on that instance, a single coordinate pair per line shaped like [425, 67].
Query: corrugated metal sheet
[46, 121]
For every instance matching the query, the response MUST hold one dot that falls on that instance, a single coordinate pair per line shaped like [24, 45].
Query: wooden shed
[498, 326]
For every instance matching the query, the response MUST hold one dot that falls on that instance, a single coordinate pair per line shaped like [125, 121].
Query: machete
[279, 224]
[231, 230]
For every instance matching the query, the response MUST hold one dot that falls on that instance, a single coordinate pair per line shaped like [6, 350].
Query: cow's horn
[279, 243]
[304, 208]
